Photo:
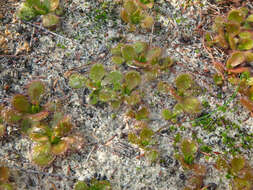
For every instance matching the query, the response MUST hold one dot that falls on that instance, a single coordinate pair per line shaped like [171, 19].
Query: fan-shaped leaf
[142, 113]
[250, 18]
[54, 4]
[35, 90]
[60, 147]
[118, 60]
[106, 95]
[50, 20]
[235, 59]
[21, 104]
[97, 72]
[80, 185]
[237, 164]
[132, 79]
[189, 147]
[184, 81]
[140, 47]
[77, 80]
[245, 44]
[191, 105]
[12, 116]
[128, 53]
[147, 22]
[26, 13]
[41, 155]
[233, 28]
[236, 16]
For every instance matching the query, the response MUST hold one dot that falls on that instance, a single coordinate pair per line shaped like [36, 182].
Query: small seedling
[49, 9]
[94, 185]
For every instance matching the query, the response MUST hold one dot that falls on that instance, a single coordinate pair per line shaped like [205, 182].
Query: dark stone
[104, 178]
[31, 182]
[166, 161]
[158, 26]
[20, 29]
[7, 20]
[185, 40]
[182, 177]
[212, 186]
[28, 67]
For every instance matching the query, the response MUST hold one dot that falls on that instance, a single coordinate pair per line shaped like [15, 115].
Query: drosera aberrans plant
[185, 92]
[150, 59]
[239, 171]
[49, 9]
[134, 13]
[26, 108]
[144, 137]
[52, 139]
[186, 155]
[235, 32]
[45, 124]
[112, 87]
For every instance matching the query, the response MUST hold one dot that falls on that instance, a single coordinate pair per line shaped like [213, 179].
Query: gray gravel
[85, 39]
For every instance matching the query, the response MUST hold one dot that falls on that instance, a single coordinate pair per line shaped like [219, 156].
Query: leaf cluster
[241, 171]
[133, 13]
[143, 137]
[141, 55]
[49, 9]
[51, 139]
[26, 108]
[187, 155]
[35, 121]
[94, 185]
[185, 92]
[114, 87]
[235, 32]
